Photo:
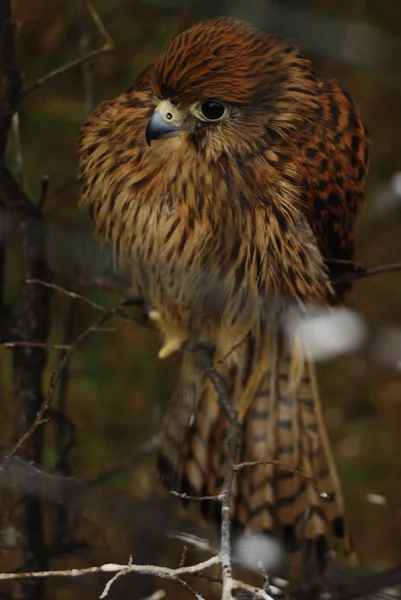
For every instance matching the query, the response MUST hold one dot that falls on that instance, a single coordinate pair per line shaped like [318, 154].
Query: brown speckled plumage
[222, 224]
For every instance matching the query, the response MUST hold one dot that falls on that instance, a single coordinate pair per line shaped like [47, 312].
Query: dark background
[116, 388]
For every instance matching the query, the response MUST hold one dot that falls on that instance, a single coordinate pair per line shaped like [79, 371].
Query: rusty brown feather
[242, 204]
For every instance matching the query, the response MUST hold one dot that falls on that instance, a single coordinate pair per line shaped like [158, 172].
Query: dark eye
[212, 110]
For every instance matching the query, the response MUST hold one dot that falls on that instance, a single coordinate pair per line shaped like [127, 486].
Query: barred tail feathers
[284, 423]
[276, 394]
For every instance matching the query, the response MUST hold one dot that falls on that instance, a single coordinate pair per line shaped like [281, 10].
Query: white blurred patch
[330, 333]
[396, 184]
[387, 347]
[11, 537]
[193, 540]
[276, 591]
[388, 593]
[281, 583]
[257, 551]
[262, 594]
[158, 595]
[376, 499]
[387, 197]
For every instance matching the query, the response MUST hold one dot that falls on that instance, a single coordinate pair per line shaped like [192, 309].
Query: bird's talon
[154, 315]
[170, 347]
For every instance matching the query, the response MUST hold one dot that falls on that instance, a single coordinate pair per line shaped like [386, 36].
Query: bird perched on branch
[228, 180]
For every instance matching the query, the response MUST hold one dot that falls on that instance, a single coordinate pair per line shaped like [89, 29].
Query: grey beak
[158, 128]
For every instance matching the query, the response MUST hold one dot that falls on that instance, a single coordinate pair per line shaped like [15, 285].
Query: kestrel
[228, 180]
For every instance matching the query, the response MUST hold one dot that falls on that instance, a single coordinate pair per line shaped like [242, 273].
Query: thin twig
[64, 429]
[185, 496]
[278, 463]
[43, 192]
[73, 295]
[232, 350]
[24, 344]
[256, 592]
[183, 556]
[121, 570]
[362, 272]
[128, 318]
[233, 442]
[84, 44]
[205, 546]
[10, 74]
[40, 415]
[362, 587]
[204, 360]
[173, 577]
[77, 62]
[18, 160]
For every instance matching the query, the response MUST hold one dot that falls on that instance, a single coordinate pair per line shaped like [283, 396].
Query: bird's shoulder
[332, 158]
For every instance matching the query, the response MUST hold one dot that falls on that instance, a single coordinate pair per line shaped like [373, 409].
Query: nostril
[169, 116]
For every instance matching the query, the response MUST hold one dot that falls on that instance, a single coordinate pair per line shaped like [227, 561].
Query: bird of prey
[228, 180]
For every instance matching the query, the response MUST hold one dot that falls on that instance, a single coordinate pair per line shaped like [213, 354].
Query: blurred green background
[117, 387]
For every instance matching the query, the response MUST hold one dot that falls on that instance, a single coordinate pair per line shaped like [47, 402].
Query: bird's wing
[334, 160]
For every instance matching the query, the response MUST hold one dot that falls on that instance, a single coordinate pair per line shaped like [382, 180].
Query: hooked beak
[158, 128]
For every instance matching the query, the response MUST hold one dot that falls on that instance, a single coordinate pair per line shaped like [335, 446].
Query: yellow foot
[155, 316]
[170, 347]
[174, 338]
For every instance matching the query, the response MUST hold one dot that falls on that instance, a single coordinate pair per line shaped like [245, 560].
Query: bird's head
[225, 84]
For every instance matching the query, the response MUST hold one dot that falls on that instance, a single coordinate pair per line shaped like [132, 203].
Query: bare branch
[18, 159]
[30, 319]
[364, 586]
[361, 272]
[56, 375]
[43, 192]
[183, 556]
[251, 589]
[232, 350]
[204, 359]
[120, 571]
[77, 62]
[278, 463]
[10, 76]
[185, 496]
[23, 344]
[76, 296]
[84, 43]
[73, 295]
